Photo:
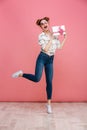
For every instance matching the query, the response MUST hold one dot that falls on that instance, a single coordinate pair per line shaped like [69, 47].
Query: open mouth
[45, 27]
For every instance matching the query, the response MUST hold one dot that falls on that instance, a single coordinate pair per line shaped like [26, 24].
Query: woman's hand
[51, 37]
[48, 45]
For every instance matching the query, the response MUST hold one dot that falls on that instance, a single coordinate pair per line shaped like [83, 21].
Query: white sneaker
[16, 75]
[49, 109]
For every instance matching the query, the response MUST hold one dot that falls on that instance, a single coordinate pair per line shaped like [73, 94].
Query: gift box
[58, 30]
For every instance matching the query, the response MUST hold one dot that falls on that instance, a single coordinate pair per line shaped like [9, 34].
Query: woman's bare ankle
[20, 75]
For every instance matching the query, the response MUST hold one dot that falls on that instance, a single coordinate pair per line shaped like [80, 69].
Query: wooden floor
[33, 116]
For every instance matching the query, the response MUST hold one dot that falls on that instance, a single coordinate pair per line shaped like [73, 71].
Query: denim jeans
[44, 61]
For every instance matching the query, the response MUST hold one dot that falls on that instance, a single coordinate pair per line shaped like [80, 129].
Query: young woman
[49, 43]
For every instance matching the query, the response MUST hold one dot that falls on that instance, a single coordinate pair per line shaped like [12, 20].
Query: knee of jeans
[37, 79]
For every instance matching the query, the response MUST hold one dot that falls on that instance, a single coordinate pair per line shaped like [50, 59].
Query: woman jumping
[49, 43]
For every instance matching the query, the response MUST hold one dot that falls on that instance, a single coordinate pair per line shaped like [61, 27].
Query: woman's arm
[48, 45]
[62, 44]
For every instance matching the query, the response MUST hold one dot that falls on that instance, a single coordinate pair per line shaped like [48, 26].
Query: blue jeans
[43, 61]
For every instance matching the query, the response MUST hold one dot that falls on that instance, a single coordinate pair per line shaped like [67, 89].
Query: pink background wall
[19, 49]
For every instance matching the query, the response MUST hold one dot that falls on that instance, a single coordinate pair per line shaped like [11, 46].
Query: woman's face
[44, 25]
